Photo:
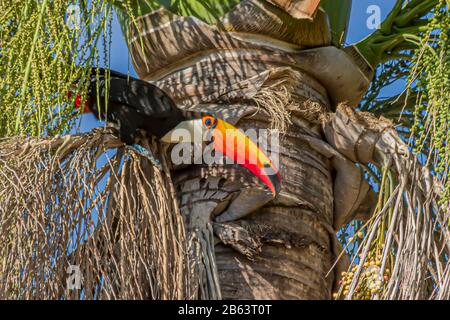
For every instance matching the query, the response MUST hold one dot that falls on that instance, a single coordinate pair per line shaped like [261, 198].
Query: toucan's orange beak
[234, 144]
[230, 142]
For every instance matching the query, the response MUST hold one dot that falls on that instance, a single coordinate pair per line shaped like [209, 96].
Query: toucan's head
[230, 142]
[83, 106]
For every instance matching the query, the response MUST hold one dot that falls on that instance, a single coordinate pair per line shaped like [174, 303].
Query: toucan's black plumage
[133, 104]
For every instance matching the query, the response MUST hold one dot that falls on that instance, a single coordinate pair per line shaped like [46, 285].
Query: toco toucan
[135, 104]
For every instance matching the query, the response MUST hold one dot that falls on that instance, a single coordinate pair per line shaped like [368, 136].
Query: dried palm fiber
[222, 59]
[286, 98]
[409, 230]
[83, 200]
[305, 228]
[298, 8]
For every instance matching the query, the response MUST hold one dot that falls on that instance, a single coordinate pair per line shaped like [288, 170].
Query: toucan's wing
[145, 98]
[132, 104]
[139, 95]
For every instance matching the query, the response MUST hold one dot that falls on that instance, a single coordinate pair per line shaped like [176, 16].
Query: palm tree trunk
[294, 230]
[294, 233]
[289, 244]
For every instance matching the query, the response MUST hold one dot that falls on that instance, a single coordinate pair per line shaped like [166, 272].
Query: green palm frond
[208, 11]
[339, 15]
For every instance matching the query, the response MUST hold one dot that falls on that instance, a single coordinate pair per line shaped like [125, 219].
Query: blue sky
[358, 29]
[358, 19]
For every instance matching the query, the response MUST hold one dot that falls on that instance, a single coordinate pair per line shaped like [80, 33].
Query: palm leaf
[208, 11]
[339, 15]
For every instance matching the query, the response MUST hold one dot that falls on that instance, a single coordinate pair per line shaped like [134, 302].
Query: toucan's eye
[210, 122]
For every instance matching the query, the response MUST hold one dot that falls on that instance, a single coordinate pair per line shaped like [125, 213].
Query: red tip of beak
[269, 176]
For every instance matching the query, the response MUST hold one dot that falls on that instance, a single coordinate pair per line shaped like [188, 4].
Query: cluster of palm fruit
[370, 283]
